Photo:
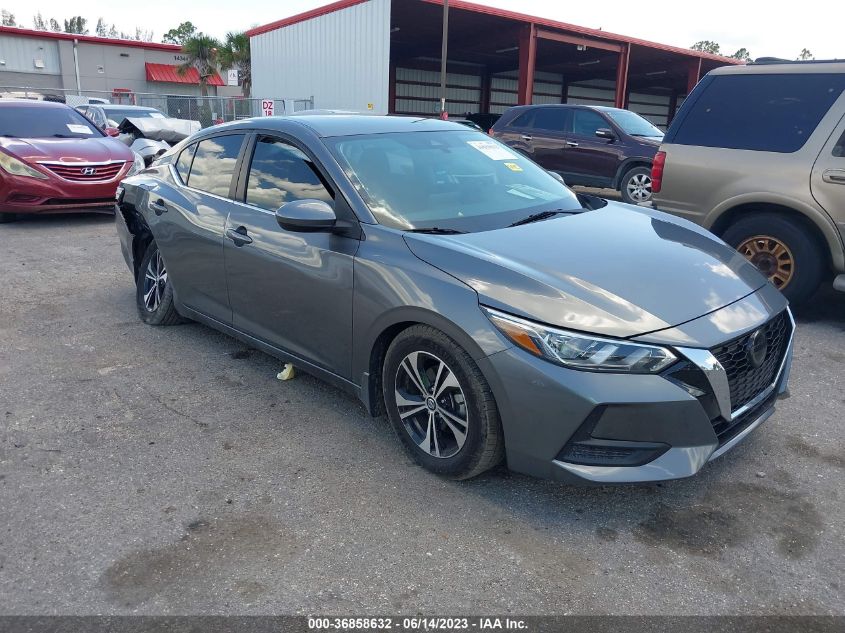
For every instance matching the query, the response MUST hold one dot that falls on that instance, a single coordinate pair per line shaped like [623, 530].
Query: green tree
[55, 26]
[76, 24]
[202, 53]
[180, 34]
[39, 23]
[235, 54]
[7, 18]
[707, 46]
[805, 54]
[101, 28]
[743, 55]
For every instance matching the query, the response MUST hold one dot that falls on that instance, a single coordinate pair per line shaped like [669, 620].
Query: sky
[766, 29]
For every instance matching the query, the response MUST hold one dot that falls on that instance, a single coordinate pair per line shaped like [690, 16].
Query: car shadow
[827, 306]
[57, 220]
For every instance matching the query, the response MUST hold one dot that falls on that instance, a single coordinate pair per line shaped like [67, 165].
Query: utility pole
[443, 55]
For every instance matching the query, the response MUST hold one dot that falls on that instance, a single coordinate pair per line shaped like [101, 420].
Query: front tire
[154, 292]
[440, 405]
[636, 185]
[783, 250]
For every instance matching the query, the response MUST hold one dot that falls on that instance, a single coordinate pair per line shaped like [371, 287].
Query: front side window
[214, 164]
[586, 122]
[764, 112]
[36, 121]
[633, 124]
[281, 173]
[460, 180]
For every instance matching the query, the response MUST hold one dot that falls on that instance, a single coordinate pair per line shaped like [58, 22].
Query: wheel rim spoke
[431, 404]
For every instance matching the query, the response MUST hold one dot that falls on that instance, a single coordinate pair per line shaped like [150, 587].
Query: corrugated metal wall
[418, 92]
[29, 55]
[340, 58]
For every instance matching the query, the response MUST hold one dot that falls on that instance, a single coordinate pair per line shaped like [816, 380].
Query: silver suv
[757, 155]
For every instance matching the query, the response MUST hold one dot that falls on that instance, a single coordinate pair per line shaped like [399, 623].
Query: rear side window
[769, 113]
[552, 119]
[214, 164]
[281, 173]
[183, 165]
[839, 148]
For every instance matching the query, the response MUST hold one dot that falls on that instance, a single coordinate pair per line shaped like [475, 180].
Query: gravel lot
[167, 470]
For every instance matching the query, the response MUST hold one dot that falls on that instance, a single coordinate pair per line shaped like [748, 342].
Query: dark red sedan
[54, 160]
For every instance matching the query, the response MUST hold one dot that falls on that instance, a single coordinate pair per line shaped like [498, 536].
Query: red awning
[170, 74]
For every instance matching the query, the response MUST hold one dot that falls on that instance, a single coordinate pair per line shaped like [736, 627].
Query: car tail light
[657, 171]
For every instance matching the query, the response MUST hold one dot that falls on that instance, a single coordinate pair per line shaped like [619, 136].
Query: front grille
[98, 202]
[83, 173]
[747, 382]
[726, 431]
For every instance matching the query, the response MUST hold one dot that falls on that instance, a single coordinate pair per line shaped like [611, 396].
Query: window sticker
[513, 166]
[493, 150]
[78, 128]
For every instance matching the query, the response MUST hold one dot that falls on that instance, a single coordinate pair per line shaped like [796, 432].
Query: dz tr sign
[267, 107]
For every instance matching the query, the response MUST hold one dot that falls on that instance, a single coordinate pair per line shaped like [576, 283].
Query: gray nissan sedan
[454, 285]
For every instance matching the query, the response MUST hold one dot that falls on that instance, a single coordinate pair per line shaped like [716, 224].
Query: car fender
[627, 164]
[820, 219]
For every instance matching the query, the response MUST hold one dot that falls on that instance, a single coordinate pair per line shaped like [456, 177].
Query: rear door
[518, 133]
[188, 221]
[588, 159]
[292, 290]
[548, 137]
[828, 177]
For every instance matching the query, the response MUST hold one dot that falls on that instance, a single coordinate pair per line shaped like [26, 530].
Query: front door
[292, 290]
[588, 159]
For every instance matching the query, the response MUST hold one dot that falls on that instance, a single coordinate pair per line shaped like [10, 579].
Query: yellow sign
[513, 166]
[370, 106]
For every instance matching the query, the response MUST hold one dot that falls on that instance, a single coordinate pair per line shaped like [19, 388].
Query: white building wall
[341, 59]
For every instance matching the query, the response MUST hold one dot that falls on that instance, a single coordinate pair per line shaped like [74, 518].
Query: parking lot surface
[167, 470]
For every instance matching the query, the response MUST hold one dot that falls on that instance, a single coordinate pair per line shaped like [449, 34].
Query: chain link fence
[208, 111]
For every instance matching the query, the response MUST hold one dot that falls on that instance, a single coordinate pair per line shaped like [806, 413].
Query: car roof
[328, 125]
[35, 103]
[782, 68]
[120, 106]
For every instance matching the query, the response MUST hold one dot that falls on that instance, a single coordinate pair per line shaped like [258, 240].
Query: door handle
[571, 144]
[526, 137]
[834, 176]
[158, 206]
[239, 236]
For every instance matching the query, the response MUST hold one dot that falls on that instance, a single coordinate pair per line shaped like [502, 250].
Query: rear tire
[635, 185]
[7, 217]
[154, 292]
[449, 424]
[783, 249]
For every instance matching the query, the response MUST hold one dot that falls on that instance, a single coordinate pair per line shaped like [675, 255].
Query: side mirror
[111, 131]
[306, 215]
[604, 132]
[557, 177]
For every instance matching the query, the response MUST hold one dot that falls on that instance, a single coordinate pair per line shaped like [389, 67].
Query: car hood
[619, 271]
[71, 150]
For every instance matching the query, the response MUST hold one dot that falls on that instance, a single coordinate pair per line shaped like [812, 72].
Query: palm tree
[202, 51]
[235, 54]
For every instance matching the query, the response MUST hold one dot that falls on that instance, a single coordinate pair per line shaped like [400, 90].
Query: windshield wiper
[436, 230]
[535, 217]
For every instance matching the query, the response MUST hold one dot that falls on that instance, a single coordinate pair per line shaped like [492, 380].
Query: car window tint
[772, 113]
[183, 165]
[214, 164]
[526, 119]
[839, 148]
[552, 119]
[281, 173]
[586, 122]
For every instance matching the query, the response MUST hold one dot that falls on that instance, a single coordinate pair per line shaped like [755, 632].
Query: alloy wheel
[431, 404]
[155, 281]
[772, 257]
[639, 187]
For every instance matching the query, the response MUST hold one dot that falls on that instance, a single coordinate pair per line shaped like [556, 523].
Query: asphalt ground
[167, 471]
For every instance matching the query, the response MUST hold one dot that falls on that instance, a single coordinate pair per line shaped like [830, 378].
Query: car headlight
[16, 167]
[137, 164]
[581, 351]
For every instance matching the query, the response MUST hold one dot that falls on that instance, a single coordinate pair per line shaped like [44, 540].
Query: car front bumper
[25, 196]
[642, 427]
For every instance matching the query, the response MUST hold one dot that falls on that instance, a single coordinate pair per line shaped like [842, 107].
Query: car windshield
[455, 180]
[118, 114]
[28, 121]
[633, 124]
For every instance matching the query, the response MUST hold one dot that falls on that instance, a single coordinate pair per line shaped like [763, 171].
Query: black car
[592, 146]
